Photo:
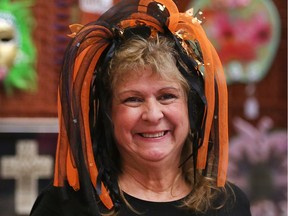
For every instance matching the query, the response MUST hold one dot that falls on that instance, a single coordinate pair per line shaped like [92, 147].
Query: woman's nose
[153, 111]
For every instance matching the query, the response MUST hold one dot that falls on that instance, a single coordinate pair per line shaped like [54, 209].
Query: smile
[153, 135]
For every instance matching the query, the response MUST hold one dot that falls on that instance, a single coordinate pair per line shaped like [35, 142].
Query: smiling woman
[143, 119]
[155, 115]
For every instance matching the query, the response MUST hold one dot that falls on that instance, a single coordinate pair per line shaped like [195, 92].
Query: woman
[143, 119]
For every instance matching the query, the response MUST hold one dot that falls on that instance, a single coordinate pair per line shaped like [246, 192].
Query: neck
[154, 183]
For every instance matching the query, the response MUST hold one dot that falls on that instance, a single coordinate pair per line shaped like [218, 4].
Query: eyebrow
[10, 31]
[139, 92]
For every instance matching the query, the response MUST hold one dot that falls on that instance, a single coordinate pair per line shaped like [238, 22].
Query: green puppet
[17, 52]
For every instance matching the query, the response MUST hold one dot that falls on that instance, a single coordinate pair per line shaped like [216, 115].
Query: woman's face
[150, 118]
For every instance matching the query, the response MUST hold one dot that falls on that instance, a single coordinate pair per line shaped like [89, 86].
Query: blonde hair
[138, 53]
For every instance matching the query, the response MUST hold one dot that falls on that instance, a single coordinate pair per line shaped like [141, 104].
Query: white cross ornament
[26, 167]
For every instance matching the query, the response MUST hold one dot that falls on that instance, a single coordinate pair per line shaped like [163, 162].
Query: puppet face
[8, 47]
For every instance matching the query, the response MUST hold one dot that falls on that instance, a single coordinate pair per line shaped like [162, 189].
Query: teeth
[155, 135]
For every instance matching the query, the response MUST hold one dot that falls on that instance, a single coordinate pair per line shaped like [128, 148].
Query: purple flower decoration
[258, 165]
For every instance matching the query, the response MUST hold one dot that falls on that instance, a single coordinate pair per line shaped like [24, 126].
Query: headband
[80, 81]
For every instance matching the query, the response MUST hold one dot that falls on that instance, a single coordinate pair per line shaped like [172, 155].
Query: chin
[155, 156]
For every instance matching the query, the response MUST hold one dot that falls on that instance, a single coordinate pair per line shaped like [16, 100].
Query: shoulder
[236, 202]
[58, 201]
[241, 199]
[47, 203]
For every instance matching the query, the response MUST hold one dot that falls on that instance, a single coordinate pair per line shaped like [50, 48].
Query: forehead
[170, 75]
[6, 26]
[149, 81]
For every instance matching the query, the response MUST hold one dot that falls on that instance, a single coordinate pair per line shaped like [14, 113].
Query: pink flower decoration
[239, 39]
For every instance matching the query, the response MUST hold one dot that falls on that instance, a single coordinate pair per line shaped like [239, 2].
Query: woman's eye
[167, 98]
[133, 101]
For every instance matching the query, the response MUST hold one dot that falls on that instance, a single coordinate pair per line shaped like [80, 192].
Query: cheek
[180, 118]
[179, 114]
[124, 119]
[9, 52]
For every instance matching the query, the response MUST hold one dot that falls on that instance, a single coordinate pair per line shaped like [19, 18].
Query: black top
[51, 203]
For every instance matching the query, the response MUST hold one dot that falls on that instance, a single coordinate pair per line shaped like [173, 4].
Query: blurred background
[251, 39]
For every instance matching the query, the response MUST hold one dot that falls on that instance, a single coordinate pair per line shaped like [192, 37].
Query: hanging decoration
[95, 6]
[90, 10]
[17, 52]
[246, 34]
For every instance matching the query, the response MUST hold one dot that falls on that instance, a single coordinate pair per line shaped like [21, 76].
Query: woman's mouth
[153, 135]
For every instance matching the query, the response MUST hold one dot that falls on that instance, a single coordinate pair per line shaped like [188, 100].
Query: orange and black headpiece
[85, 141]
